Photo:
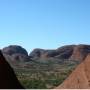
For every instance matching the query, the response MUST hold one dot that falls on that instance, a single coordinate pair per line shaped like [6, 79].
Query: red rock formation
[80, 52]
[16, 53]
[72, 52]
[8, 79]
[68, 52]
[80, 77]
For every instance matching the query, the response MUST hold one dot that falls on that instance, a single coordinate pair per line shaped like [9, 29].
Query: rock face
[80, 77]
[72, 52]
[80, 52]
[16, 53]
[68, 52]
[14, 49]
[8, 79]
[63, 52]
[36, 53]
[20, 58]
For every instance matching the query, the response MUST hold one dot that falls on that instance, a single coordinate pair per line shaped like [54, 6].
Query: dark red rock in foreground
[8, 78]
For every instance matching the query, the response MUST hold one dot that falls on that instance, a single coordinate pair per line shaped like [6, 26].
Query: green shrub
[34, 84]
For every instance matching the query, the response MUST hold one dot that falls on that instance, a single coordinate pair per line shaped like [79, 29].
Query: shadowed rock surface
[80, 52]
[80, 77]
[14, 49]
[71, 52]
[63, 52]
[8, 79]
[36, 53]
[16, 53]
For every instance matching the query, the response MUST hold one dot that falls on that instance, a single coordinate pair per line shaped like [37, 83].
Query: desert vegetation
[44, 75]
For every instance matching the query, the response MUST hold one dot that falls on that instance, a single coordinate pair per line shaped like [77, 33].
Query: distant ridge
[60, 60]
[70, 52]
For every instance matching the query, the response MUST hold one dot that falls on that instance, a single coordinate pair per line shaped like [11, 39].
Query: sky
[46, 24]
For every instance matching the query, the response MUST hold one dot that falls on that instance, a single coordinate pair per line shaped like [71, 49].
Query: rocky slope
[14, 49]
[80, 77]
[80, 52]
[58, 62]
[63, 52]
[8, 78]
[15, 53]
[71, 52]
